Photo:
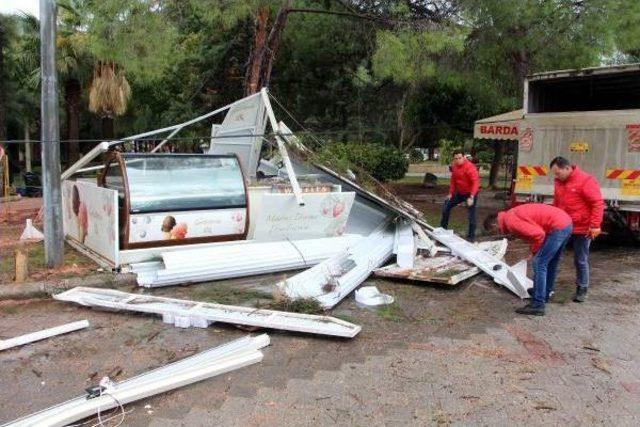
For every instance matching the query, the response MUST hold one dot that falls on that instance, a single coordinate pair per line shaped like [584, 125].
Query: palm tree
[71, 62]
[109, 95]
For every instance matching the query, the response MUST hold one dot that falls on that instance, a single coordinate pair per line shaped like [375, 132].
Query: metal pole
[53, 234]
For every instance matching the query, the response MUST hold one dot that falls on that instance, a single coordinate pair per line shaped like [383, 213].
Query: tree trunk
[72, 95]
[498, 152]
[273, 42]
[256, 54]
[107, 128]
[431, 150]
[3, 95]
[27, 147]
[400, 120]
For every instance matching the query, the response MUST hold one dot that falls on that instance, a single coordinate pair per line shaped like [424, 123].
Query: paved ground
[437, 356]
[458, 356]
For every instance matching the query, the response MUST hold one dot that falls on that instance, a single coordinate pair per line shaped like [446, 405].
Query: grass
[345, 317]
[9, 310]
[484, 181]
[230, 295]
[391, 312]
[301, 305]
[36, 260]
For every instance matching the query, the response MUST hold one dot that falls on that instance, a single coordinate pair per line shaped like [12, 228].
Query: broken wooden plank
[185, 313]
[44, 334]
[444, 269]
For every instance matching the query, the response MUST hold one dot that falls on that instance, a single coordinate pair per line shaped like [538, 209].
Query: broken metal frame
[282, 148]
[43, 334]
[219, 360]
[185, 313]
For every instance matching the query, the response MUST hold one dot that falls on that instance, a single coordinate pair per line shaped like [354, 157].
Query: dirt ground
[437, 356]
[12, 222]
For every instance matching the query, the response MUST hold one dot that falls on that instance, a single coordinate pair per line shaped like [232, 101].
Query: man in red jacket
[464, 187]
[547, 229]
[578, 194]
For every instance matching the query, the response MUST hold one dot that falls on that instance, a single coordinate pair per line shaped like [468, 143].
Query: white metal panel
[406, 244]
[219, 360]
[40, 335]
[223, 262]
[332, 280]
[241, 132]
[186, 313]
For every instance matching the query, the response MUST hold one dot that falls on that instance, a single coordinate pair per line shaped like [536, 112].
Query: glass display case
[171, 199]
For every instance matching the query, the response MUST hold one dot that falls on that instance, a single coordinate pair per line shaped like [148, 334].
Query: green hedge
[383, 162]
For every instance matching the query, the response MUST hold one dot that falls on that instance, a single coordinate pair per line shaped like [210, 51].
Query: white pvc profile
[332, 280]
[405, 244]
[219, 360]
[40, 335]
[494, 267]
[253, 258]
[184, 313]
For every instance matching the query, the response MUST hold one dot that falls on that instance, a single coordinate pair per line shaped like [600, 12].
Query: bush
[383, 162]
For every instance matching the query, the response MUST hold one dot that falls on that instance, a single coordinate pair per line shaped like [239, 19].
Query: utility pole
[53, 234]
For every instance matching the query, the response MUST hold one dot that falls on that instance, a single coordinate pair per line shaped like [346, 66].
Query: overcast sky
[16, 6]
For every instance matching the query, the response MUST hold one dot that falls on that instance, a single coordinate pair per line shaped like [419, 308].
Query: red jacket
[580, 197]
[464, 179]
[532, 222]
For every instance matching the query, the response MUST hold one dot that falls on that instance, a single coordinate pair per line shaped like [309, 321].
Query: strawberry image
[338, 208]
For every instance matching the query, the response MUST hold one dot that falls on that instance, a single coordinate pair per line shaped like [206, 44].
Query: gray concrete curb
[30, 290]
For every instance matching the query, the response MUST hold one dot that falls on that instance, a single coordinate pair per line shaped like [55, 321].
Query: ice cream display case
[176, 199]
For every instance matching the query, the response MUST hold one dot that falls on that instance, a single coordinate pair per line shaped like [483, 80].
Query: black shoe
[581, 294]
[531, 310]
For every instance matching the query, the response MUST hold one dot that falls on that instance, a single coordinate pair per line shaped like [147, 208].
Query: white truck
[592, 117]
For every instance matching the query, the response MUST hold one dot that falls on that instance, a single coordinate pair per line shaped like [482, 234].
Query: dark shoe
[581, 294]
[531, 310]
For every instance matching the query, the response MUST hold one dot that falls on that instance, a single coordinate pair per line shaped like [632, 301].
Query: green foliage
[383, 162]
[447, 147]
[416, 74]
[134, 34]
[409, 57]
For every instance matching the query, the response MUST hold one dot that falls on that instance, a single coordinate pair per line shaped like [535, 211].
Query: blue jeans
[455, 200]
[581, 245]
[545, 265]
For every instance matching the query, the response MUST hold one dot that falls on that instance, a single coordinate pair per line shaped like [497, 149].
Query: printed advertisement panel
[90, 217]
[323, 215]
[633, 138]
[149, 227]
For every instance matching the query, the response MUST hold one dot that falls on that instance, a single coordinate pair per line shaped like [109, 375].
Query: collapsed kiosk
[240, 209]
